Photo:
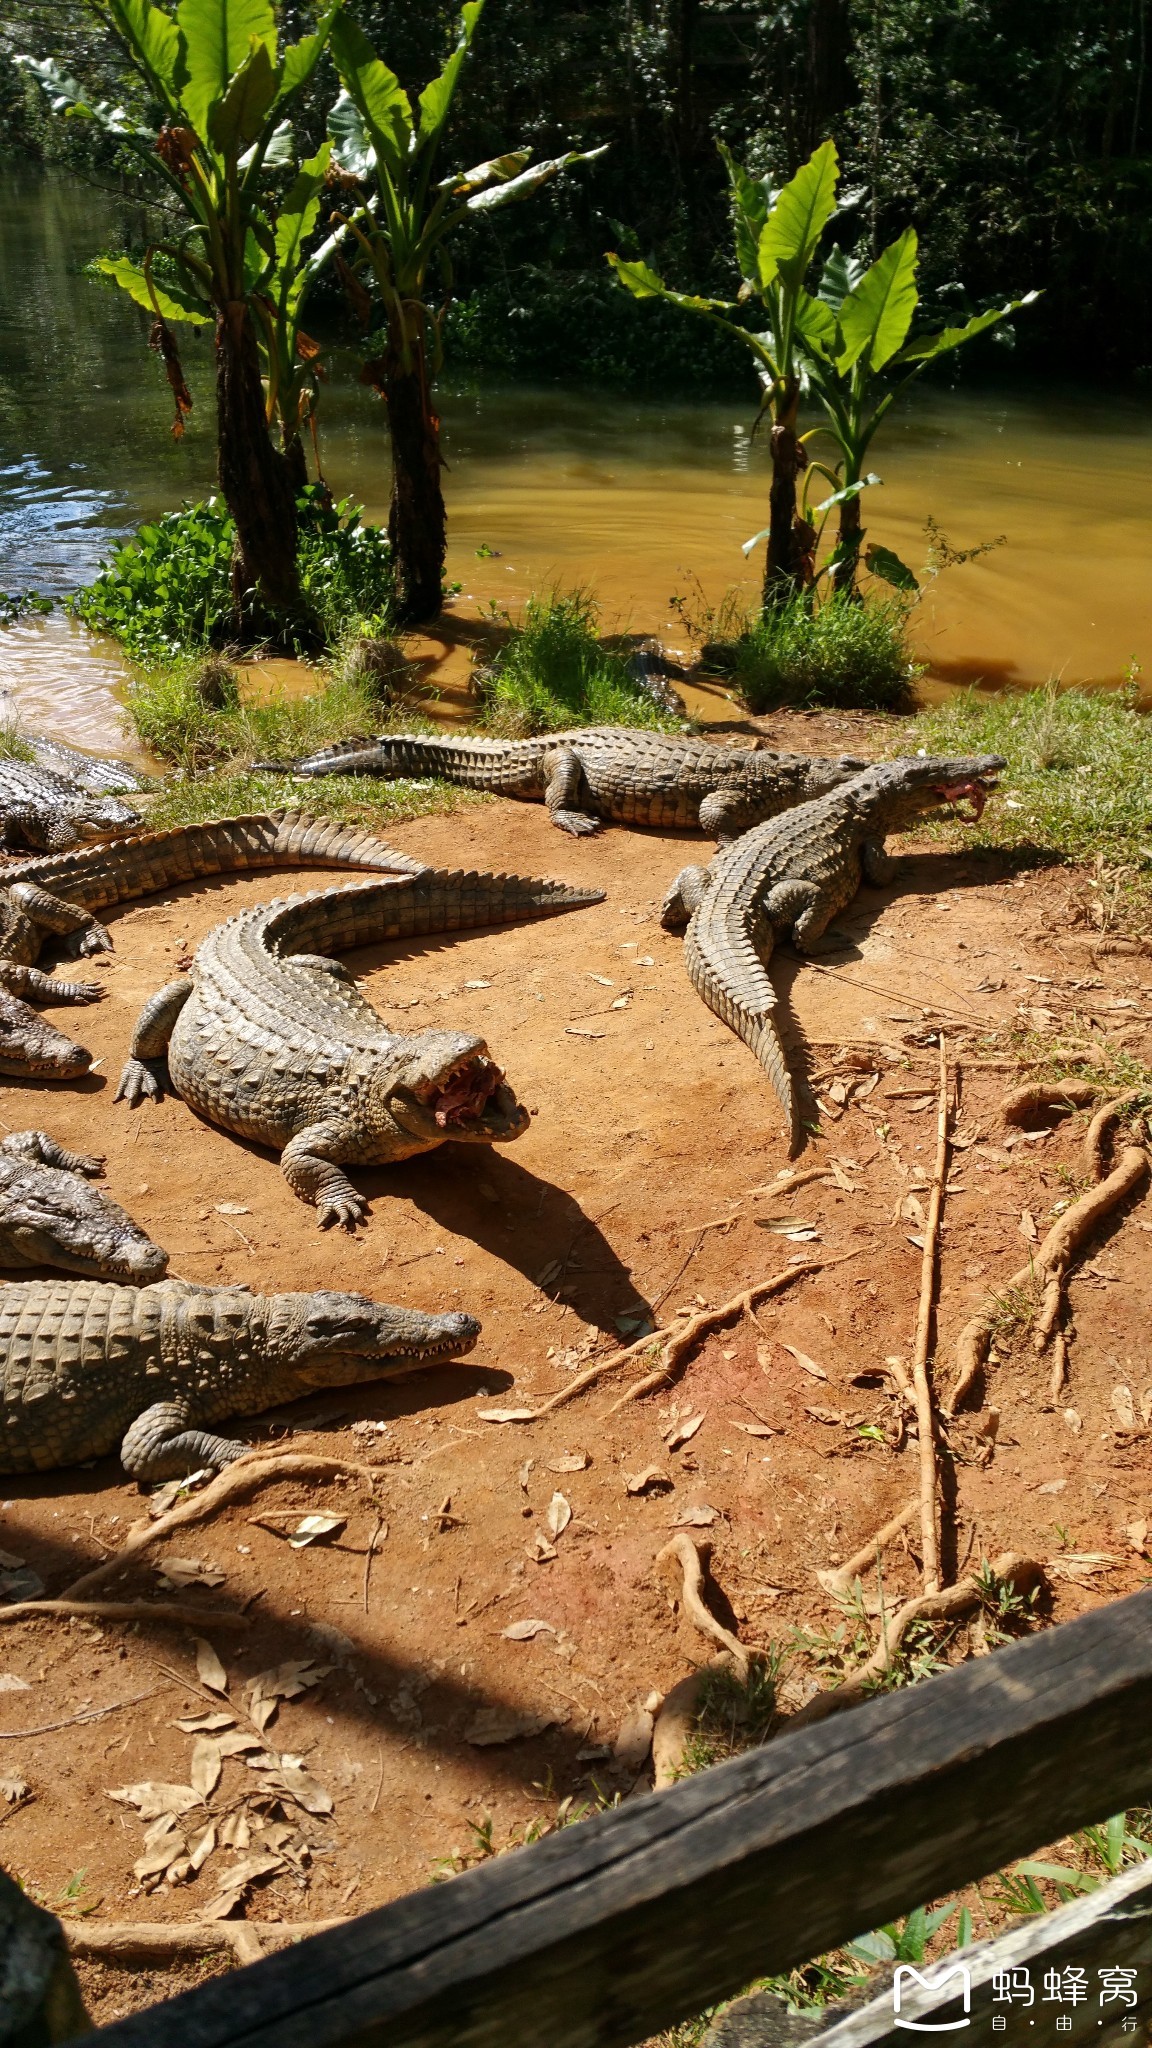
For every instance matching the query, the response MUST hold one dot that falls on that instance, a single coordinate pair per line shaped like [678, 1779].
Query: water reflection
[636, 499]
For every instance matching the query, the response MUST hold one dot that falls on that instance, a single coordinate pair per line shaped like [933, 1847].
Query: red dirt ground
[644, 1182]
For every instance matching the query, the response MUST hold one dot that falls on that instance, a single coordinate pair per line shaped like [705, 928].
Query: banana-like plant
[216, 71]
[861, 354]
[776, 236]
[400, 231]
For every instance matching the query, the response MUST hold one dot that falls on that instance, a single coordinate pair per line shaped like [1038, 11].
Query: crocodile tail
[727, 971]
[118, 871]
[391, 754]
[336, 920]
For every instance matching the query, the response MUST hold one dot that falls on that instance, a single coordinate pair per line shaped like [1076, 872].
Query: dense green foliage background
[1016, 138]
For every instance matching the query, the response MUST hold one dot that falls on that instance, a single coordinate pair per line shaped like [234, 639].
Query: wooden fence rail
[604, 1934]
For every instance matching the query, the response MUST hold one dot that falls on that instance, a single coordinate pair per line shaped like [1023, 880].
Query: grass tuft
[199, 726]
[347, 799]
[835, 653]
[553, 672]
[1078, 784]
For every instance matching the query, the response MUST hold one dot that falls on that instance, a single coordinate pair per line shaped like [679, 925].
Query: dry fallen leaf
[1124, 1407]
[232, 1209]
[1027, 1226]
[236, 1881]
[1074, 1421]
[803, 1360]
[201, 1846]
[504, 1724]
[634, 1741]
[305, 1789]
[832, 1416]
[10, 1683]
[755, 1428]
[155, 1796]
[523, 1631]
[506, 1415]
[201, 1724]
[651, 1480]
[573, 1461]
[558, 1517]
[681, 1433]
[526, 1470]
[540, 1550]
[13, 1789]
[209, 1669]
[188, 1571]
[1137, 1534]
[204, 1771]
[701, 1517]
[313, 1527]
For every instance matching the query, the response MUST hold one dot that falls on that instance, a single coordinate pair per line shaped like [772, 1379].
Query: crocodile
[47, 810]
[56, 896]
[86, 1366]
[622, 773]
[99, 774]
[789, 877]
[50, 1216]
[270, 1038]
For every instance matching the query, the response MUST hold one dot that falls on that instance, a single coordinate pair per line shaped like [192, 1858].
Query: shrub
[169, 588]
[554, 672]
[835, 652]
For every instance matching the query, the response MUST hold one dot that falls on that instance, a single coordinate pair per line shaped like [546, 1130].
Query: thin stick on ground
[680, 1343]
[77, 1720]
[130, 1610]
[244, 1476]
[925, 1415]
[372, 1542]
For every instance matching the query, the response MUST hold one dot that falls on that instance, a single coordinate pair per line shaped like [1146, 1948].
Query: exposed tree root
[1094, 1149]
[679, 1344]
[676, 1721]
[1022, 1574]
[129, 1610]
[1048, 1266]
[845, 1576]
[157, 1941]
[1034, 1097]
[245, 1476]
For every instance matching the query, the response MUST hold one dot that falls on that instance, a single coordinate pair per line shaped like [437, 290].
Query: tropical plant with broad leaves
[776, 235]
[400, 229]
[861, 353]
[222, 83]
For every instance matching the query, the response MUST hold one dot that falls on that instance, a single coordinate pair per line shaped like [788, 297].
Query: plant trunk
[417, 525]
[297, 465]
[849, 541]
[790, 539]
[255, 478]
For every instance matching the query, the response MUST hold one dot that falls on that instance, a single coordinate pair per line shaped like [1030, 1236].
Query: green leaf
[877, 1947]
[815, 324]
[747, 546]
[300, 59]
[876, 316]
[237, 119]
[153, 37]
[752, 201]
[497, 169]
[890, 569]
[529, 181]
[1060, 1873]
[377, 92]
[964, 1928]
[217, 41]
[67, 96]
[793, 229]
[280, 150]
[438, 94]
[350, 137]
[166, 299]
[299, 210]
[840, 275]
[842, 497]
[923, 348]
[641, 280]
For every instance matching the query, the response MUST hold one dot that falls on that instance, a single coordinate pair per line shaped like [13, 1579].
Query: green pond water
[638, 499]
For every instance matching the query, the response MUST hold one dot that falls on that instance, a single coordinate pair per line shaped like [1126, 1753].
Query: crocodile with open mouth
[54, 898]
[270, 1038]
[789, 877]
[624, 773]
[86, 1366]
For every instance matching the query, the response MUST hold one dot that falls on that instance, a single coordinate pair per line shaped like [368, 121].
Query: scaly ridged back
[96, 877]
[729, 973]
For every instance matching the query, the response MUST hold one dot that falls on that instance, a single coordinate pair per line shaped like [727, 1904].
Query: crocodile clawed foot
[86, 991]
[346, 1211]
[576, 822]
[94, 940]
[141, 1079]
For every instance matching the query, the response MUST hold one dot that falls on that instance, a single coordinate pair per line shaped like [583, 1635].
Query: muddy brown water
[639, 500]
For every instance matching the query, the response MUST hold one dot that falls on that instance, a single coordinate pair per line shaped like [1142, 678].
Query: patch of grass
[735, 1713]
[190, 713]
[834, 652]
[1090, 1058]
[13, 745]
[1078, 784]
[553, 672]
[169, 588]
[346, 799]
